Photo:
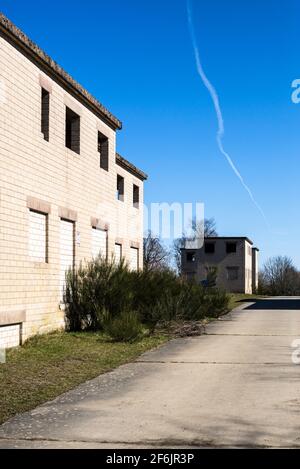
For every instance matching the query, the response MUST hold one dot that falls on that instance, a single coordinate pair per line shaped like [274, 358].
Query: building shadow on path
[275, 304]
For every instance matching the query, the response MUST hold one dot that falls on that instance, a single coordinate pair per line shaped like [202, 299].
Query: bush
[100, 290]
[124, 328]
[217, 302]
[97, 286]
[185, 302]
[150, 290]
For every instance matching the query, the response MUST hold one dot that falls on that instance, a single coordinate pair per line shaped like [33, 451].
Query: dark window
[120, 187]
[136, 196]
[232, 273]
[190, 256]
[103, 149]
[190, 276]
[209, 248]
[72, 130]
[230, 248]
[45, 114]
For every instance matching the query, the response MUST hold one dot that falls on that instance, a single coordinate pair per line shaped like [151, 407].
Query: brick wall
[32, 167]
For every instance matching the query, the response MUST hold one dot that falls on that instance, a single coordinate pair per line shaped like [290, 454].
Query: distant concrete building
[235, 258]
[66, 195]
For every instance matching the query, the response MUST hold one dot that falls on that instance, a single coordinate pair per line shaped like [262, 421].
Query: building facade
[236, 261]
[65, 194]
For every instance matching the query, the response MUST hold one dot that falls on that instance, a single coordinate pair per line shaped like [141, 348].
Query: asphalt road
[235, 386]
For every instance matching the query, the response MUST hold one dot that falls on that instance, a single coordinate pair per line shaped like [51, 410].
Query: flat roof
[225, 238]
[15, 36]
[121, 161]
[22, 42]
[229, 238]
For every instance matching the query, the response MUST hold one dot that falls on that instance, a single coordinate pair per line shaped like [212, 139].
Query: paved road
[235, 386]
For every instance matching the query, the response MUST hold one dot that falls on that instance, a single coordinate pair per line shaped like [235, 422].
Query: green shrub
[97, 286]
[150, 289]
[100, 288]
[124, 328]
[217, 302]
[185, 302]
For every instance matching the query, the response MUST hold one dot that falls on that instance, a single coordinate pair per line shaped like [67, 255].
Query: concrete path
[235, 386]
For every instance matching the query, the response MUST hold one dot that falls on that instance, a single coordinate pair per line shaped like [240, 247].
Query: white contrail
[216, 101]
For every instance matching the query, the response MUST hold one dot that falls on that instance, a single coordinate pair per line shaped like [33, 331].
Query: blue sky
[136, 57]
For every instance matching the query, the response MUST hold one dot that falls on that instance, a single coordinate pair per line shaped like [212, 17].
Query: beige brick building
[65, 194]
[235, 258]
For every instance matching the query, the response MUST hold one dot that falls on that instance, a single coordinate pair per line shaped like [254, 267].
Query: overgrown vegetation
[108, 307]
[102, 295]
[123, 328]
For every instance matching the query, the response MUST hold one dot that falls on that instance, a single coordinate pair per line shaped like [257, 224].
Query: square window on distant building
[232, 273]
[230, 248]
[209, 248]
[191, 256]
[190, 276]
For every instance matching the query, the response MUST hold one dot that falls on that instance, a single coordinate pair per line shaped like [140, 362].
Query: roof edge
[230, 237]
[18, 38]
[130, 167]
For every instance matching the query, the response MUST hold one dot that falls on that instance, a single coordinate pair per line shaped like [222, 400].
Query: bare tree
[209, 226]
[178, 244]
[210, 230]
[156, 255]
[279, 277]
